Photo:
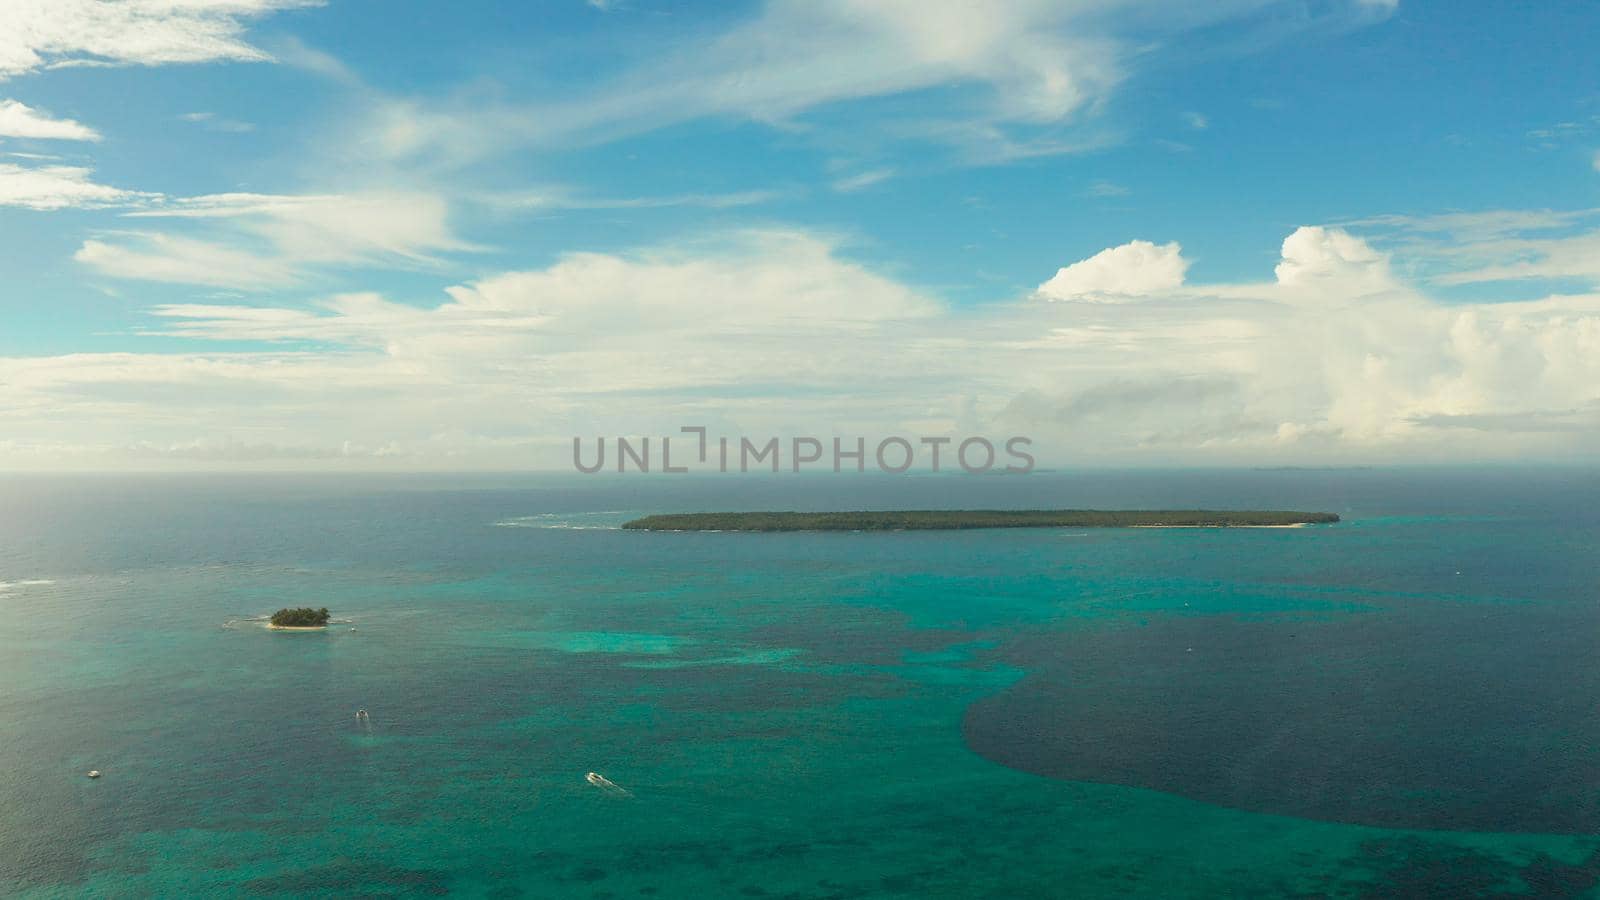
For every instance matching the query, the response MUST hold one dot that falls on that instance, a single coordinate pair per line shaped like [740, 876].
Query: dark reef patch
[1428, 715]
[354, 877]
[1410, 867]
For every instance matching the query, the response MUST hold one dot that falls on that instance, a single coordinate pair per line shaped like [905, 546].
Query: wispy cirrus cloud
[862, 180]
[1490, 246]
[36, 34]
[1107, 189]
[43, 34]
[330, 227]
[180, 260]
[213, 122]
[1022, 72]
[558, 197]
[54, 187]
[263, 241]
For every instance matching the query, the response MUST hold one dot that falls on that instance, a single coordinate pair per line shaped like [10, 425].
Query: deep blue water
[1404, 704]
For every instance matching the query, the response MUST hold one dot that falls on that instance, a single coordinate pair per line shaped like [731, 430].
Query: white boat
[606, 784]
[94, 773]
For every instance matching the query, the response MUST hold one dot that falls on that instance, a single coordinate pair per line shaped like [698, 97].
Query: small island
[948, 519]
[300, 619]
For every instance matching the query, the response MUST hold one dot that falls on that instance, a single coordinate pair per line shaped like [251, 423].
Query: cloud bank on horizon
[238, 237]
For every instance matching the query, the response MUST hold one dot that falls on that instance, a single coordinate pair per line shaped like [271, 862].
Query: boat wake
[32, 582]
[607, 785]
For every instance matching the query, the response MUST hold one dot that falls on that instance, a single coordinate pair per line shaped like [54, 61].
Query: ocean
[1405, 704]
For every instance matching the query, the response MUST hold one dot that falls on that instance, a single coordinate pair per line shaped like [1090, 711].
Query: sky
[407, 235]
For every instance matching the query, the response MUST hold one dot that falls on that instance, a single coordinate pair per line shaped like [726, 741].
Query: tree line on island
[930, 519]
[301, 617]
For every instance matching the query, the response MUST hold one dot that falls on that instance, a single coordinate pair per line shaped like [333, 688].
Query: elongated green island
[947, 519]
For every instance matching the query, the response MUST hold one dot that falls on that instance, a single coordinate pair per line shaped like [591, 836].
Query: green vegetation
[304, 617]
[918, 519]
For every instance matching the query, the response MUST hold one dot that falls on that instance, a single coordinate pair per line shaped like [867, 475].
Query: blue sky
[409, 234]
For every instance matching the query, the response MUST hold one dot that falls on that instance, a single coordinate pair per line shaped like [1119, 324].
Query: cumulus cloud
[1335, 355]
[38, 34]
[1331, 259]
[22, 121]
[1134, 269]
[1333, 358]
[544, 352]
[760, 283]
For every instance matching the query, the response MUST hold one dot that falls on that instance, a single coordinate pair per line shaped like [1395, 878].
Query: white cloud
[59, 187]
[568, 344]
[1196, 121]
[22, 121]
[1107, 189]
[796, 55]
[1134, 269]
[1331, 259]
[212, 122]
[862, 180]
[1334, 358]
[259, 241]
[331, 227]
[1576, 256]
[1474, 227]
[48, 33]
[1500, 245]
[557, 198]
[760, 277]
[752, 282]
[1031, 72]
[160, 257]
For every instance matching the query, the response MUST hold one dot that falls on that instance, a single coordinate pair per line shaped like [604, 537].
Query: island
[301, 619]
[949, 519]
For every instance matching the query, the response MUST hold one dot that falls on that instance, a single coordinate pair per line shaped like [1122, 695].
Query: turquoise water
[1403, 704]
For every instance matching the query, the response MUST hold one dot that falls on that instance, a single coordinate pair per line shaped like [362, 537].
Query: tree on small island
[303, 617]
